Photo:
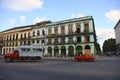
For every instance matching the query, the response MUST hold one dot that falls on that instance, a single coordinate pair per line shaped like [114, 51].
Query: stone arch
[70, 51]
[56, 51]
[79, 50]
[87, 49]
[63, 51]
[50, 51]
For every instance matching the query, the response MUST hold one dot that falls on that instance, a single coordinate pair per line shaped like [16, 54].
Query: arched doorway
[87, 49]
[56, 51]
[79, 50]
[70, 51]
[63, 51]
[49, 51]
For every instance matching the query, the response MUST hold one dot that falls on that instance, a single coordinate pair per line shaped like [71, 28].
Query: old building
[117, 35]
[38, 33]
[15, 37]
[71, 37]
[1, 42]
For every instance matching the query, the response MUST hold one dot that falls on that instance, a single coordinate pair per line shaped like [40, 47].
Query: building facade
[71, 37]
[15, 37]
[117, 35]
[1, 42]
[38, 33]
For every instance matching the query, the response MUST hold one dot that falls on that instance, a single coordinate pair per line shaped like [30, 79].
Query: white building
[117, 35]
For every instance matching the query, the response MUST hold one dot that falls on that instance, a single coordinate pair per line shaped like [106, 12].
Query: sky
[106, 13]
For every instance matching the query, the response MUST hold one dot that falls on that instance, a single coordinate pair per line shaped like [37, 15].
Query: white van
[24, 52]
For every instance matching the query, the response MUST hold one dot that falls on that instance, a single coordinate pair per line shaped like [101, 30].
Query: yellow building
[15, 37]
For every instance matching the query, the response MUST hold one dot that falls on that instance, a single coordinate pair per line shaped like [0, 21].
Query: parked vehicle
[84, 57]
[25, 52]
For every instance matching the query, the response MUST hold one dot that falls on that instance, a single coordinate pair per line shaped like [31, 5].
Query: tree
[98, 49]
[109, 45]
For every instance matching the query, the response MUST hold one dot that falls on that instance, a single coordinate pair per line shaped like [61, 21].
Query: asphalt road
[103, 69]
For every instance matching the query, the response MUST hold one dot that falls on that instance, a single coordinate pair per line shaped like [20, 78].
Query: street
[102, 69]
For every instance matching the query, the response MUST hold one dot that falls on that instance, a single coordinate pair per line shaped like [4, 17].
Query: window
[20, 43]
[37, 41]
[7, 37]
[86, 27]
[49, 41]
[56, 41]
[43, 32]
[25, 36]
[21, 36]
[13, 36]
[33, 41]
[29, 35]
[38, 33]
[10, 37]
[28, 42]
[70, 40]
[78, 28]
[33, 33]
[86, 38]
[78, 39]
[43, 42]
[56, 30]
[63, 30]
[70, 28]
[62, 40]
[24, 42]
[16, 36]
[49, 31]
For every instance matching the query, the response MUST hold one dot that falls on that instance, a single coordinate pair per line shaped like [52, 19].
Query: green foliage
[109, 45]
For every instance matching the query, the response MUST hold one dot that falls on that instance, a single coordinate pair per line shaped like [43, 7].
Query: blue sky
[15, 13]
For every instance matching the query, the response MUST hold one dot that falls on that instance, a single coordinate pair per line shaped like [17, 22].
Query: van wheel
[8, 60]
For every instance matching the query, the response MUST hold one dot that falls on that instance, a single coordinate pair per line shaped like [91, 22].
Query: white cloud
[22, 5]
[22, 18]
[77, 15]
[113, 15]
[12, 21]
[38, 19]
[104, 34]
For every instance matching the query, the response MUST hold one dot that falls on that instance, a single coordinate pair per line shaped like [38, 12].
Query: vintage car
[84, 57]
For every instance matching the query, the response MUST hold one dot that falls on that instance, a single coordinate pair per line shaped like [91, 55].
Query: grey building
[117, 35]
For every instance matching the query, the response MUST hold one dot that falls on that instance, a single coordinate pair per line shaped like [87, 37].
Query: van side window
[39, 49]
[34, 49]
[23, 49]
[28, 49]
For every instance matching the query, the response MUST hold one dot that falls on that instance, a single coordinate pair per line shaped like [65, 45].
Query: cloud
[113, 15]
[12, 21]
[104, 34]
[22, 18]
[22, 5]
[77, 15]
[38, 19]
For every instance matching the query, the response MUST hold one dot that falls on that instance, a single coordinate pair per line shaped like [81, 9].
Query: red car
[84, 57]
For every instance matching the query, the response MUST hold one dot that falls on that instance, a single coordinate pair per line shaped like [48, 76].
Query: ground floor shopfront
[70, 50]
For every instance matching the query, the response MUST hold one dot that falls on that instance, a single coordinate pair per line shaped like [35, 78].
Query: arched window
[43, 32]
[33, 33]
[38, 33]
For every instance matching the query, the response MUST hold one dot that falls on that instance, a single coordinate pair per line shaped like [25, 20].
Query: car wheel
[8, 60]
